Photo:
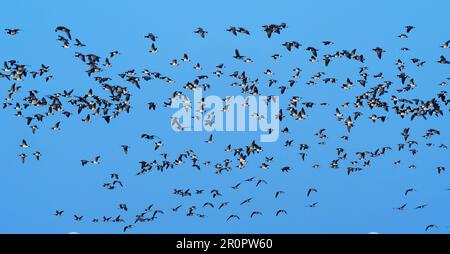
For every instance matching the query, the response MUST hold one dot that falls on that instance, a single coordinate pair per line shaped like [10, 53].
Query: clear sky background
[358, 203]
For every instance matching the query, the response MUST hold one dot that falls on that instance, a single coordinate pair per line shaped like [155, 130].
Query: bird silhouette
[364, 99]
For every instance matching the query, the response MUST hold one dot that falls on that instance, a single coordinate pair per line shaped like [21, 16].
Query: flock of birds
[115, 100]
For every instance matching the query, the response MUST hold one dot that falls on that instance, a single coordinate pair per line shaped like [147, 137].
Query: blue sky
[359, 203]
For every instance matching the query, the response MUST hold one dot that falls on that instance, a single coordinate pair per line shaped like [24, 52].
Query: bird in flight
[13, 31]
[431, 226]
[64, 30]
[200, 31]
[233, 216]
[280, 212]
[379, 51]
